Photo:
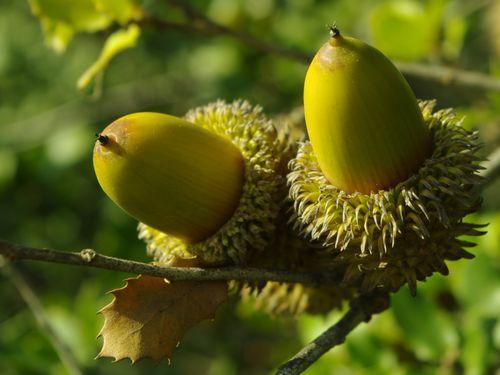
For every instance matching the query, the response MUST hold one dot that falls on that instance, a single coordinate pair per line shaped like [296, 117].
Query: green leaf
[454, 34]
[430, 332]
[122, 11]
[406, 29]
[57, 34]
[8, 167]
[475, 346]
[68, 145]
[476, 283]
[366, 349]
[116, 43]
[82, 15]
[62, 19]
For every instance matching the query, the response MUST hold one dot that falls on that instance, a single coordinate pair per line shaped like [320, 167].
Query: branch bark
[450, 76]
[361, 310]
[90, 258]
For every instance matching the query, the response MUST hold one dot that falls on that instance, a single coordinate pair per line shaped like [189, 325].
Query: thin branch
[205, 24]
[492, 167]
[90, 258]
[162, 24]
[34, 304]
[197, 22]
[450, 76]
[361, 310]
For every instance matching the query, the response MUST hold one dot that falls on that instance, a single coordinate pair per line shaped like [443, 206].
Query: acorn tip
[334, 31]
[103, 139]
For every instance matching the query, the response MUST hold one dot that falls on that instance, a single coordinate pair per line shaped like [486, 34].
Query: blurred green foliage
[49, 195]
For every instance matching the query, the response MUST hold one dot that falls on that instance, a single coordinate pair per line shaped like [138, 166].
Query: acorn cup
[208, 186]
[385, 182]
[293, 299]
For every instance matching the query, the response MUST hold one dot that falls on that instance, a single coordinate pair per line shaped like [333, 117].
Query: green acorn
[362, 118]
[251, 227]
[383, 188]
[177, 177]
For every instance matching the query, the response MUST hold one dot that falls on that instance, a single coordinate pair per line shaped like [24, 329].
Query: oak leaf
[149, 315]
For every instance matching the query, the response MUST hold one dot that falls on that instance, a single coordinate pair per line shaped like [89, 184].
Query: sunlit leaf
[430, 332]
[57, 34]
[476, 283]
[454, 33]
[68, 145]
[62, 18]
[122, 11]
[406, 29]
[116, 43]
[475, 346]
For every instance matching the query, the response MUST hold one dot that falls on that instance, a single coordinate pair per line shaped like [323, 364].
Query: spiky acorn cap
[292, 299]
[252, 227]
[400, 234]
[283, 299]
[293, 253]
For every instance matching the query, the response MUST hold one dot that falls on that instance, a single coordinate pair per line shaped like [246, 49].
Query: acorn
[362, 118]
[172, 175]
[385, 182]
[242, 184]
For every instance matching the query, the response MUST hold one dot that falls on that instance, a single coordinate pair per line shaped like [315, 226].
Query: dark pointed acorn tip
[103, 139]
[334, 31]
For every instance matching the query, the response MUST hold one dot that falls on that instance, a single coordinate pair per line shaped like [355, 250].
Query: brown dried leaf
[149, 315]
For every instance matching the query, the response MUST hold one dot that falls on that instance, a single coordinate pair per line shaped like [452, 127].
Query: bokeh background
[50, 197]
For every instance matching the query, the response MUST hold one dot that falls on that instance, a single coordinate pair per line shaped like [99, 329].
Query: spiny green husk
[295, 299]
[252, 226]
[398, 235]
[289, 252]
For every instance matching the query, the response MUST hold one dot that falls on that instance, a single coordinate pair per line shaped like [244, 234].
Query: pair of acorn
[382, 186]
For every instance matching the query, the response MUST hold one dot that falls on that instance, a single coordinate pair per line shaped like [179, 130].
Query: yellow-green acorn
[172, 175]
[362, 118]
[239, 134]
[385, 182]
